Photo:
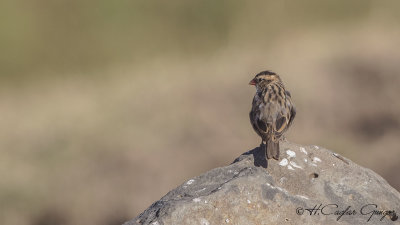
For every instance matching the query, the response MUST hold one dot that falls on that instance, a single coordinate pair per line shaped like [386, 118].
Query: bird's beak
[252, 82]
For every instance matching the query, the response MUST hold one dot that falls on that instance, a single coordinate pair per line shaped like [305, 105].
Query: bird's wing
[256, 117]
[290, 105]
[278, 110]
[285, 117]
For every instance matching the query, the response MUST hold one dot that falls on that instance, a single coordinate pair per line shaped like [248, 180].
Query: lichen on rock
[308, 185]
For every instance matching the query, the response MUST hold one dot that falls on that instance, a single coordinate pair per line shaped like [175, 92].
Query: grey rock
[254, 191]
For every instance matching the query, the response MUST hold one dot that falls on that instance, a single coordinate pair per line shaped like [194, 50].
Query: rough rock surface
[254, 191]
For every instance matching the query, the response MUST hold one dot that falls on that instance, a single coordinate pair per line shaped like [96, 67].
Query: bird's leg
[284, 138]
[263, 146]
[263, 142]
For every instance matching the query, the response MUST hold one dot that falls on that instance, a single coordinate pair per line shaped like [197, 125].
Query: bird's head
[263, 78]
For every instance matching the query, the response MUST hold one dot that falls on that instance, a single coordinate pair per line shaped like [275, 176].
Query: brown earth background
[107, 105]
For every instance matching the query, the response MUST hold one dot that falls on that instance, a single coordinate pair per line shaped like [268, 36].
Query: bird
[272, 111]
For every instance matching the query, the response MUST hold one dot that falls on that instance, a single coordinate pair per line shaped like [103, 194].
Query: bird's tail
[272, 149]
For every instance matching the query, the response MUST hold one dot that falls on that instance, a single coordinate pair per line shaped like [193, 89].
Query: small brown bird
[272, 111]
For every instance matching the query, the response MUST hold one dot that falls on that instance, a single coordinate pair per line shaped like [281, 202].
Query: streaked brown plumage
[272, 111]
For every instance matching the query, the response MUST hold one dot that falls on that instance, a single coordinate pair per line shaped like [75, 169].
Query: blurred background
[105, 106]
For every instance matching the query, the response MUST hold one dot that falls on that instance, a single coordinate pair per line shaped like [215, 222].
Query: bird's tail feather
[272, 149]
